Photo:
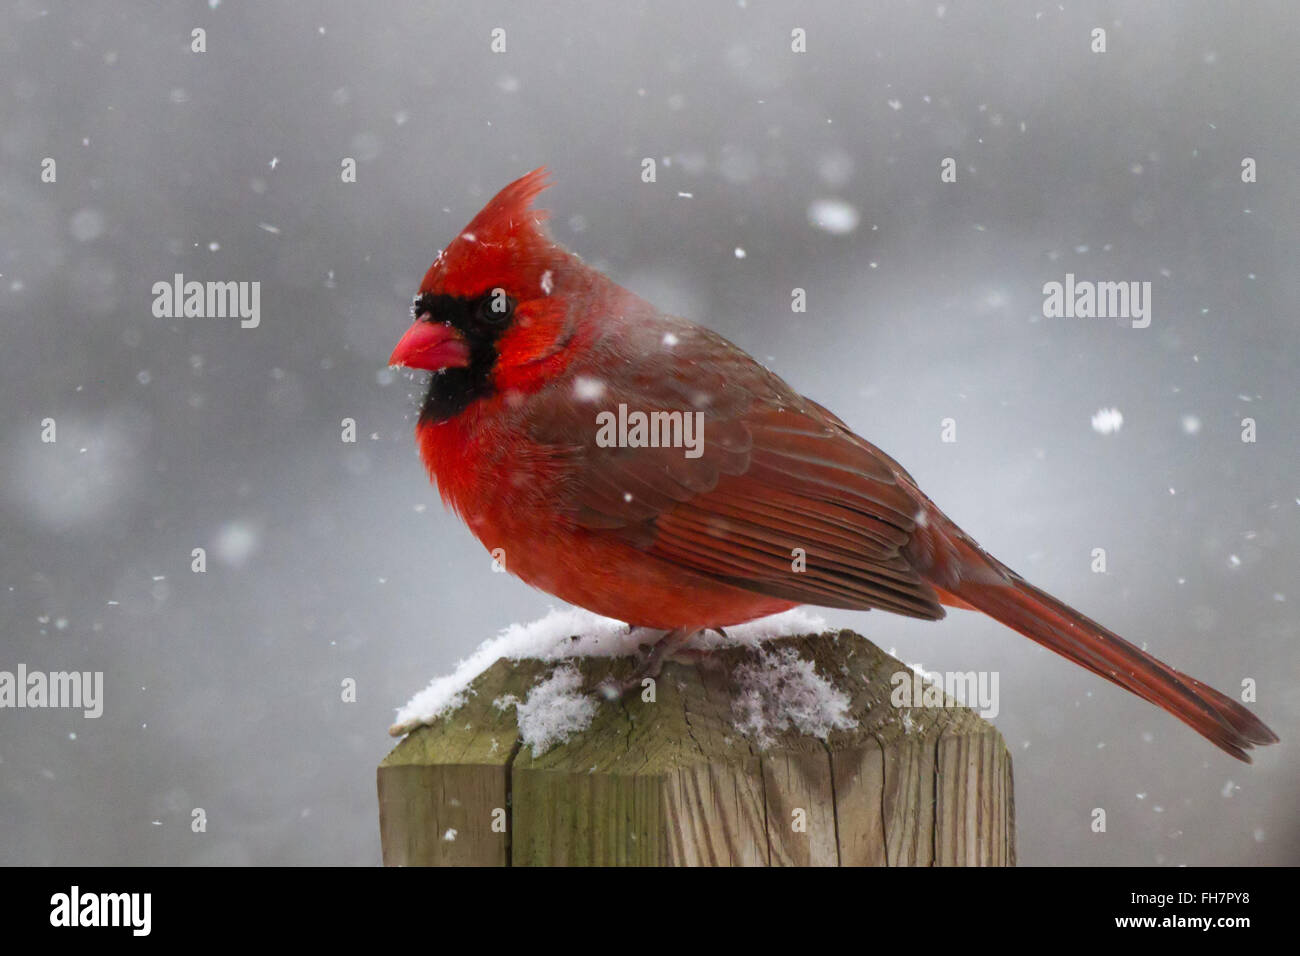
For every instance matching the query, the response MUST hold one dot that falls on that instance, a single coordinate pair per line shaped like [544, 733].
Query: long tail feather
[1059, 627]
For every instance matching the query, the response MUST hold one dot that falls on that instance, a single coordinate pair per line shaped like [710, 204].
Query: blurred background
[330, 561]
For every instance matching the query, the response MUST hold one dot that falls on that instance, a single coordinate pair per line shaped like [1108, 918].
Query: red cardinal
[540, 367]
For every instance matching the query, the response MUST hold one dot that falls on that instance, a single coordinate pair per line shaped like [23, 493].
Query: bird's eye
[422, 308]
[496, 308]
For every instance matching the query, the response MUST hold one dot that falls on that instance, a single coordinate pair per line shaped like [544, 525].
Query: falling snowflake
[1107, 421]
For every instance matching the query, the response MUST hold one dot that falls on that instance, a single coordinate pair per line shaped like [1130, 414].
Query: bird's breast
[490, 472]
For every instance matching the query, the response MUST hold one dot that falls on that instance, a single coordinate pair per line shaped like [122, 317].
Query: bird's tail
[1059, 627]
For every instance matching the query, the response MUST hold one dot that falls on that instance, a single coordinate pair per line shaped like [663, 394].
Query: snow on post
[813, 749]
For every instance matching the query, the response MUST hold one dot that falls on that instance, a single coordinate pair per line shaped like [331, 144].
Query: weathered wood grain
[671, 781]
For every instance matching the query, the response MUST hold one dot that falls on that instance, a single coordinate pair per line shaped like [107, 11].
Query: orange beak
[430, 346]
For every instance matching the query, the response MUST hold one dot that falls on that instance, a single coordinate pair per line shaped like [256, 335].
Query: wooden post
[674, 782]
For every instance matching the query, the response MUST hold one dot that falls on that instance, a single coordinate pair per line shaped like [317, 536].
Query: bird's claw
[649, 663]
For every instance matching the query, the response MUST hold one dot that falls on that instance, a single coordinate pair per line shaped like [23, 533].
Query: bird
[643, 467]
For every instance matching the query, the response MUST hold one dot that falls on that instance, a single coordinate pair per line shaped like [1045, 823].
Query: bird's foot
[650, 662]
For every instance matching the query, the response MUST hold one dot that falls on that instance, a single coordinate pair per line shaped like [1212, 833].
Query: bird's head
[491, 316]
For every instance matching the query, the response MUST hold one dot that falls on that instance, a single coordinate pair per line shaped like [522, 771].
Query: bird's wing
[781, 499]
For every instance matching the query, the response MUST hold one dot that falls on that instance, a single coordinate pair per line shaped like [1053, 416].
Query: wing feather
[776, 476]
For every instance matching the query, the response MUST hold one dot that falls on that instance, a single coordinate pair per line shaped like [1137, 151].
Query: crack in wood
[683, 786]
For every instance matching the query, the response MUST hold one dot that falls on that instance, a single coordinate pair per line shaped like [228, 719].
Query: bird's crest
[507, 238]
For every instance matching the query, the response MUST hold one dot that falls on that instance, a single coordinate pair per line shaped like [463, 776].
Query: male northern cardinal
[528, 346]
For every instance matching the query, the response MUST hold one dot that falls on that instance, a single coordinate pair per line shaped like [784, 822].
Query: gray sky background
[329, 561]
